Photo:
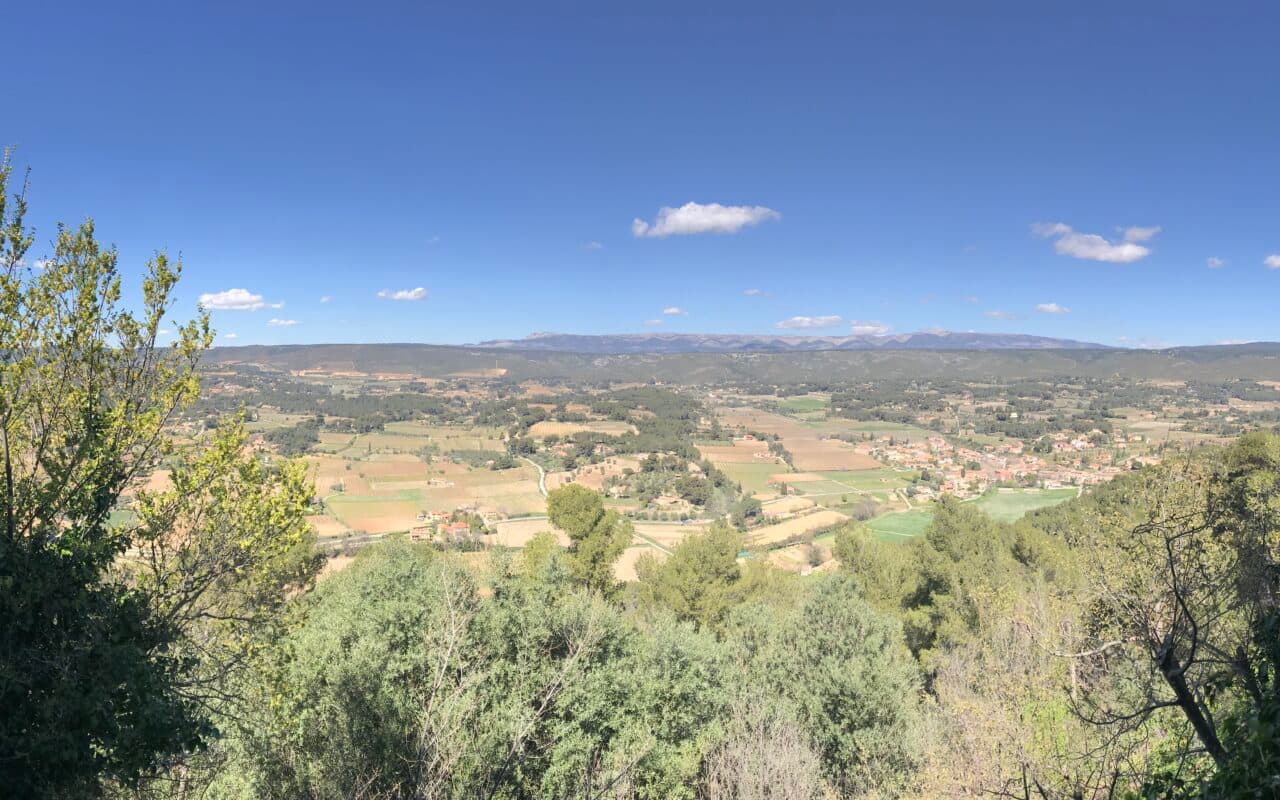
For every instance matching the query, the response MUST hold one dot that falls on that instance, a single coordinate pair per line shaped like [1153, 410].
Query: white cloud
[235, 300]
[1139, 234]
[674, 311]
[1052, 308]
[653, 323]
[864, 327]
[827, 321]
[692, 218]
[326, 298]
[164, 332]
[1272, 261]
[282, 323]
[593, 246]
[42, 264]
[230, 336]
[1233, 341]
[1006, 315]
[1092, 247]
[1213, 262]
[971, 299]
[403, 294]
[754, 292]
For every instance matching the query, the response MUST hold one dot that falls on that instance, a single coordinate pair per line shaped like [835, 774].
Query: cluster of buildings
[1073, 460]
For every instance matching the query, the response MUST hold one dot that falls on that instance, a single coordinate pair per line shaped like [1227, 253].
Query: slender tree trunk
[1174, 675]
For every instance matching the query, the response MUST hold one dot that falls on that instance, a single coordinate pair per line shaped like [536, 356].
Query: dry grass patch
[786, 505]
[737, 453]
[375, 514]
[518, 532]
[795, 527]
[546, 428]
[624, 569]
[326, 526]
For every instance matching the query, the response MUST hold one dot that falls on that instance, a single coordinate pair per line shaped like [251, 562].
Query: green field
[804, 403]
[753, 477]
[901, 525]
[897, 429]
[822, 487]
[1003, 506]
[1008, 505]
[872, 480]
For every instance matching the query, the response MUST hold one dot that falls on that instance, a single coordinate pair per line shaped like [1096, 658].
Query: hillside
[1259, 361]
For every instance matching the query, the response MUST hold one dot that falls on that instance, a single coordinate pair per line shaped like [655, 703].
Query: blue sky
[877, 167]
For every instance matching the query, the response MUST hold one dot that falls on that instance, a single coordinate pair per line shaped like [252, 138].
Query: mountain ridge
[662, 342]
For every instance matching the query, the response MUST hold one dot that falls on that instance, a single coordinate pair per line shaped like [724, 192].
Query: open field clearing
[668, 534]
[369, 443]
[753, 477]
[901, 525]
[625, 567]
[532, 390]
[546, 428]
[795, 558]
[1008, 505]
[880, 429]
[807, 442]
[327, 526]
[792, 528]
[740, 452]
[796, 477]
[270, 419]
[827, 454]
[374, 514]
[518, 532]
[805, 403]
[872, 480]
[823, 487]
[406, 486]
[375, 472]
[446, 437]
[332, 442]
[786, 505]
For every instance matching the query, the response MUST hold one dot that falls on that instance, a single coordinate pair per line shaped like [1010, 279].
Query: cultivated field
[542, 430]
[809, 443]
[740, 452]
[901, 525]
[518, 532]
[1008, 505]
[767, 535]
[754, 478]
[786, 505]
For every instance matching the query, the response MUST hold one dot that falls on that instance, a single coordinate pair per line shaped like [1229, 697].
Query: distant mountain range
[614, 344]
[1256, 361]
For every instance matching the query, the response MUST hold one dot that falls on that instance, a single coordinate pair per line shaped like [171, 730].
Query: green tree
[846, 677]
[87, 682]
[598, 536]
[125, 629]
[697, 582]
[404, 682]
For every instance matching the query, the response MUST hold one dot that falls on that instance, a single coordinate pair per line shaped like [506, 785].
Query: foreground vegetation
[1125, 643]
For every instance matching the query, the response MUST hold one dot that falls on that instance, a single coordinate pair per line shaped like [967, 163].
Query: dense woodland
[1125, 644]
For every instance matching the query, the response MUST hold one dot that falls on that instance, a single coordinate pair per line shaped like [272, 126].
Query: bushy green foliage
[598, 536]
[122, 644]
[846, 677]
[403, 682]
